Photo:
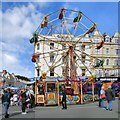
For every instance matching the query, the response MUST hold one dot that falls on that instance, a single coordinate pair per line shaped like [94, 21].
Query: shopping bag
[103, 96]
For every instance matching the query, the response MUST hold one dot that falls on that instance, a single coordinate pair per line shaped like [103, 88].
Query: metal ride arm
[84, 64]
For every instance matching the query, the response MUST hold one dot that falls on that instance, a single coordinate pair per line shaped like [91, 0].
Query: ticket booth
[46, 92]
[51, 93]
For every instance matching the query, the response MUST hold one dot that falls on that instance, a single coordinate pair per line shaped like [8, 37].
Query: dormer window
[107, 39]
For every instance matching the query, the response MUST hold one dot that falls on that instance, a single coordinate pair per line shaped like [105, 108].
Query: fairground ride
[63, 47]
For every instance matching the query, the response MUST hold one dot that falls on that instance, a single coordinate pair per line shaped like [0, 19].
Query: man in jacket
[64, 105]
[6, 102]
[109, 97]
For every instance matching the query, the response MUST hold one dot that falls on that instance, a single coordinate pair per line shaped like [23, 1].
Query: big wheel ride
[65, 47]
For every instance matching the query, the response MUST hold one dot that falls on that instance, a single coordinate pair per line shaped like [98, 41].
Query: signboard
[108, 79]
[51, 98]
[40, 98]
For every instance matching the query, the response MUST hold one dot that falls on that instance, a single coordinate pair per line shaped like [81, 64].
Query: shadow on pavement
[19, 113]
[13, 114]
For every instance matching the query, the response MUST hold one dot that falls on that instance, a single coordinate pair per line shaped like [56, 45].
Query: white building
[51, 52]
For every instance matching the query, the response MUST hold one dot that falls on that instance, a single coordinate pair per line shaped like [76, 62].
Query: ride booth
[89, 90]
[72, 91]
[46, 92]
[79, 91]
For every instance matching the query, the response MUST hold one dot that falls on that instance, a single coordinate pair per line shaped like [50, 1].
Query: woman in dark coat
[109, 97]
[23, 101]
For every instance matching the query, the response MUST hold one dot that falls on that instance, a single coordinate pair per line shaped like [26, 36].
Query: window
[117, 51]
[83, 58]
[51, 45]
[100, 73]
[97, 40]
[38, 72]
[115, 72]
[107, 50]
[41, 89]
[38, 58]
[117, 41]
[51, 71]
[74, 57]
[51, 87]
[97, 51]
[38, 46]
[107, 73]
[51, 57]
[107, 39]
[83, 72]
[107, 62]
[83, 47]
[117, 63]
[64, 46]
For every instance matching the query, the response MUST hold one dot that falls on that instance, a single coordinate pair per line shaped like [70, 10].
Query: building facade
[54, 56]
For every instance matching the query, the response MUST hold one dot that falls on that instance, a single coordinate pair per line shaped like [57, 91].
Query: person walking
[6, 102]
[109, 97]
[32, 98]
[113, 87]
[64, 105]
[98, 92]
[23, 101]
[102, 97]
[30, 93]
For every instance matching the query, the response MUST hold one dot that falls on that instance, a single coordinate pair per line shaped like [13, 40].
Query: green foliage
[22, 78]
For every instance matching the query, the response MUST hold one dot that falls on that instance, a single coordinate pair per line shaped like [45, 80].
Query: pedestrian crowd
[24, 98]
[108, 96]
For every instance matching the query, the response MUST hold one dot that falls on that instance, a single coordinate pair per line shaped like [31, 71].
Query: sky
[19, 20]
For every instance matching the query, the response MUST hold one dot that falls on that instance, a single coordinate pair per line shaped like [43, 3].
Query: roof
[117, 34]
[97, 33]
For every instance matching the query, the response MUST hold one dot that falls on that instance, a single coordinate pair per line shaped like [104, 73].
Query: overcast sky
[20, 20]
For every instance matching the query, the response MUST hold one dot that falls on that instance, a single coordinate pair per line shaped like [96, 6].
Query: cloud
[9, 59]
[13, 64]
[18, 25]
[18, 21]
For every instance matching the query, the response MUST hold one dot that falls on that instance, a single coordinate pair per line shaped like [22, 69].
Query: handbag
[28, 100]
[103, 96]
